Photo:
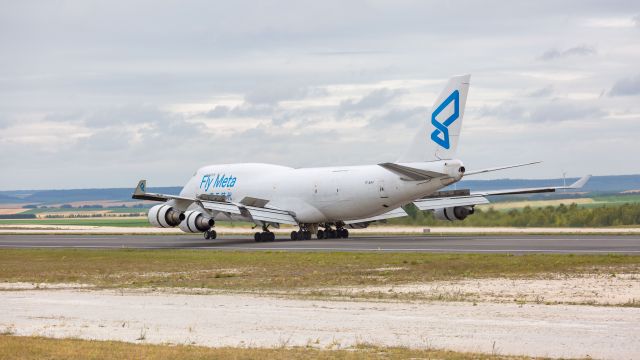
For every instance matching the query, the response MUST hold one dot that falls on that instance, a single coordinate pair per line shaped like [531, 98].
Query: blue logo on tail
[443, 127]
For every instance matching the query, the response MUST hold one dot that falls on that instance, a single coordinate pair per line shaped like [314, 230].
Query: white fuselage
[319, 195]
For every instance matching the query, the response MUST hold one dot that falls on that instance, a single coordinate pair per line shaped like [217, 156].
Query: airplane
[326, 201]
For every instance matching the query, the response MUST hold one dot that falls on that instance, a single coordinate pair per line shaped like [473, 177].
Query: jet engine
[453, 213]
[196, 221]
[165, 216]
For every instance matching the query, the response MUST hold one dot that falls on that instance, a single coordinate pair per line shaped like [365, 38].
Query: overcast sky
[103, 93]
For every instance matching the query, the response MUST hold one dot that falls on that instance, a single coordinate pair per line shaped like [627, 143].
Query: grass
[284, 271]
[18, 347]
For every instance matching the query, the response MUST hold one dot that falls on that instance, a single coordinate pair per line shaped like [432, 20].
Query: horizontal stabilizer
[411, 174]
[482, 171]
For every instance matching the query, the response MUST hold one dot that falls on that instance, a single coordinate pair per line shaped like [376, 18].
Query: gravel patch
[611, 289]
[248, 320]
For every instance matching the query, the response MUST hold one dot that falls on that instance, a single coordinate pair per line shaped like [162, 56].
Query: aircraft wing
[141, 193]
[445, 202]
[218, 204]
[576, 185]
[466, 198]
[395, 213]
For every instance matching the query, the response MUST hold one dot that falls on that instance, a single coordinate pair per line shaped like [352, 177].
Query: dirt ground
[609, 290]
[494, 324]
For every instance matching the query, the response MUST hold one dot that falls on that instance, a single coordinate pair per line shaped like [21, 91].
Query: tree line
[549, 216]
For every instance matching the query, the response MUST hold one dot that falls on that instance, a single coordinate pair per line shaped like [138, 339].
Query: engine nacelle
[165, 216]
[453, 213]
[196, 221]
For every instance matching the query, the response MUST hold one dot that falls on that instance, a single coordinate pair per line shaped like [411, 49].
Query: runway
[517, 244]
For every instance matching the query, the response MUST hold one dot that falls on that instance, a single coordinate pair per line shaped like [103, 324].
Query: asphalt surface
[579, 244]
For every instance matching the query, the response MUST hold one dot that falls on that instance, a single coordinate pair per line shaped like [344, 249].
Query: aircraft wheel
[320, 234]
[206, 235]
[345, 233]
[257, 237]
[307, 235]
[267, 236]
[294, 235]
[334, 234]
[213, 235]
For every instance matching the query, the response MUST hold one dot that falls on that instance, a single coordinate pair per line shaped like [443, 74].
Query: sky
[104, 93]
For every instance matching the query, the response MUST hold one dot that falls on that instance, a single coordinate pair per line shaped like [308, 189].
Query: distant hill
[64, 196]
[597, 185]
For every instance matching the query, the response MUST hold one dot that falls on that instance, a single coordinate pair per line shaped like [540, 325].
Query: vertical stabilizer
[437, 136]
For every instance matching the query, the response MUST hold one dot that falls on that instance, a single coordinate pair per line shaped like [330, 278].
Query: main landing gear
[265, 235]
[210, 234]
[301, 235]
[329, 233]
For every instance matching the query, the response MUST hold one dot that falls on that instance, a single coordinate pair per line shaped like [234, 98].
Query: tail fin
[438, 135]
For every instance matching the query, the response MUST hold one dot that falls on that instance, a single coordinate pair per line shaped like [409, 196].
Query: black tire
[206, 235]
[345, 233]
[307, 235]
[320, 234]
[272, 236]
[294, 235]
[213, 235]
[257, 237]
[334, 234]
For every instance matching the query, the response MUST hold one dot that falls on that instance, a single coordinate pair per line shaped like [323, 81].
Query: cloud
[375, 99]
[580, 50]
[626, 86]
[541, 92]
[409, 117]
[636, 19]
[240, 111]
[275, 93]
[558, 110]
[90, 104]
[508, 110]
